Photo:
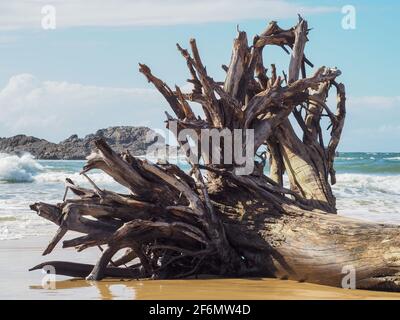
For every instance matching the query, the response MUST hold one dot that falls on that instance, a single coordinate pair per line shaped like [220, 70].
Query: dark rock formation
[135, 139]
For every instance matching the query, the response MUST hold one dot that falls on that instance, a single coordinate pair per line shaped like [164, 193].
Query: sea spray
[15, 168]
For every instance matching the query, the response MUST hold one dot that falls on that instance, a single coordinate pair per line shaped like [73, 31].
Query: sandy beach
[18, 283]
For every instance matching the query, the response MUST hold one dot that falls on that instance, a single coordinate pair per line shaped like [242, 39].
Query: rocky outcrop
[138, 140]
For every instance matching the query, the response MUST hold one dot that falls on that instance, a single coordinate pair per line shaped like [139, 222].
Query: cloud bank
[54, 110]
[73, 13]
[375, 101]
[372, 124]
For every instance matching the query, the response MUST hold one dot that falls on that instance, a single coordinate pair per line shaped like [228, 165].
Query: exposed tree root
[175, 224]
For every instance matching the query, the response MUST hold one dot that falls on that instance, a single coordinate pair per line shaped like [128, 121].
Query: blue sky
[83, 75]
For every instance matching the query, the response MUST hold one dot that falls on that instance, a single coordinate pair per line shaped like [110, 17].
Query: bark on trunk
[178, 224]
[316, 247]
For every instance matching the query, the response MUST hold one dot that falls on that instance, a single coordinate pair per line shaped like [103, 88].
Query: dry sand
[17, 256]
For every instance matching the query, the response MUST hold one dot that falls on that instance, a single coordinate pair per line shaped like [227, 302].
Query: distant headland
[135, 139]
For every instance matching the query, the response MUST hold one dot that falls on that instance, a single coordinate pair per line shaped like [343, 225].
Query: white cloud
[372, 124]
[71, 13]
[54, 110]
[390, 129]
[7, 39]
[374, 101]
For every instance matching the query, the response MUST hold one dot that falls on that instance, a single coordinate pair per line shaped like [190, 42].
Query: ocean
[368, 188]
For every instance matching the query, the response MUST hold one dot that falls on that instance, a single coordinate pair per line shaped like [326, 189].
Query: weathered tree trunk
[178, 224]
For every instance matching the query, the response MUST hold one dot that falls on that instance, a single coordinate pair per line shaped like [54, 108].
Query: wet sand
[17, 256]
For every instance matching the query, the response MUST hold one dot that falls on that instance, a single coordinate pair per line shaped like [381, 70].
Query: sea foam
[369, 197]
[18, 169]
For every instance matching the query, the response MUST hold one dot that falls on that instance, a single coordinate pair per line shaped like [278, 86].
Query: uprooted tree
[213, 221]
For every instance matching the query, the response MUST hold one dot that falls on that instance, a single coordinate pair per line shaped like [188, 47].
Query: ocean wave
[57, 176]
[367, 184]
[365, 189]
[18, 168]
[8, 218]
[349, 158]
[369, 197]
[24, 226]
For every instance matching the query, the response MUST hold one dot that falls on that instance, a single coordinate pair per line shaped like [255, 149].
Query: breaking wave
[366, 188]
[18, 169]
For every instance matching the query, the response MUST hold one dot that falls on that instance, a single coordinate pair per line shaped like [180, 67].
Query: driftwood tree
[211, 220]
